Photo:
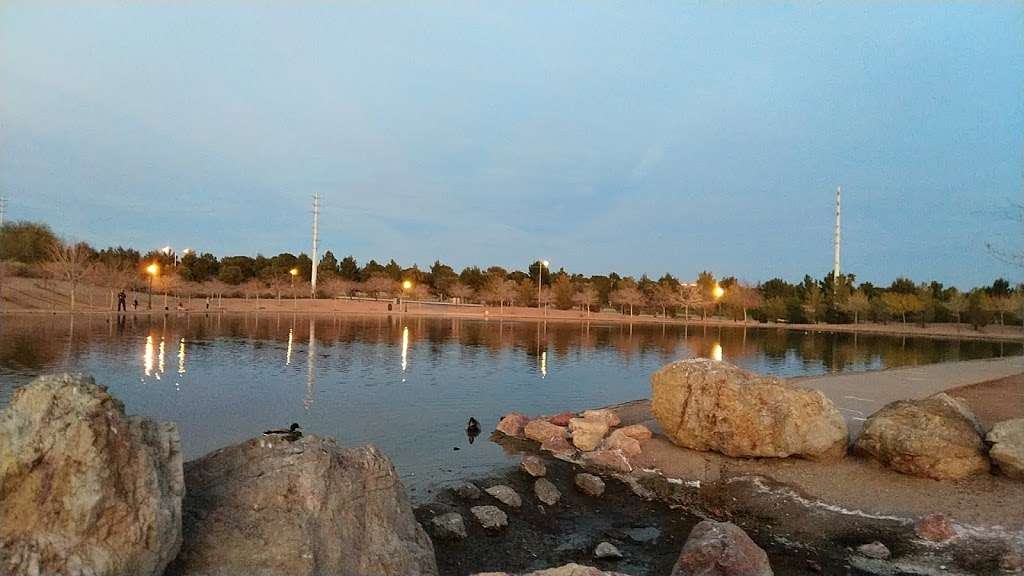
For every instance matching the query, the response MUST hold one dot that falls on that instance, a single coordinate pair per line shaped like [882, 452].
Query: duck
[472, 429]
[292, 434]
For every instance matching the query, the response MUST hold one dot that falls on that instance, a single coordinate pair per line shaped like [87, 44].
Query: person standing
[122, 301]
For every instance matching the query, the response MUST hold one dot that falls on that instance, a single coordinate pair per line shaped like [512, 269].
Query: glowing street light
[407, 285]
[152, 270]
[540, 276]
[718, 292]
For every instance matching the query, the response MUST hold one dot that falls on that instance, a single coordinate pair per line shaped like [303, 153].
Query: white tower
[316, 223]
[835, 262]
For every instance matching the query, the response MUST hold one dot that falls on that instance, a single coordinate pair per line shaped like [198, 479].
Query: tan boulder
[628, 445]
[541, 430]
[606, 415]
[706, 405]
[85, 489]
[557, 445]
[512, 424]
[269, 506]
[936, 437]
[533, 465]
[587, 433]
[637, 431]
[1007, 439]
[612, 460]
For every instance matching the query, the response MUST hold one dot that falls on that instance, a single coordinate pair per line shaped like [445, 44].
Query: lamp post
[152, 270]
[294, 272]
[406, 286]
[541, 265]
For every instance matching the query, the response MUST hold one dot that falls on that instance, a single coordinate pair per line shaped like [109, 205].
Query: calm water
[407, 385]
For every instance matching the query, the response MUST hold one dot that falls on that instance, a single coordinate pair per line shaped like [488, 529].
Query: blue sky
[637, 137]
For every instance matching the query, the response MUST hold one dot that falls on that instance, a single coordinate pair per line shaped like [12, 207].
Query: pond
[406, 384]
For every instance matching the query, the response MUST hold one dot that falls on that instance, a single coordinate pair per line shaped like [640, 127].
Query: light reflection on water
[406, 384]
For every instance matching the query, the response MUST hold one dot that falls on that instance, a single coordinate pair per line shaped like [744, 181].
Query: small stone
[589, 484]
[935, 528]
[1012, 561]
[643, 535]
[605, 415]
[505, 495]
[1007, 439]
[875, 550]
[467, 491]
[540, 430]
[533, 466]
[546, 491]
[449, 526]
[606, 551]
[513, 424]
[561, 419]
[635, 431]
[630, 447]
[612, 460]
[557, 445]
[587, 433]
[490, 517]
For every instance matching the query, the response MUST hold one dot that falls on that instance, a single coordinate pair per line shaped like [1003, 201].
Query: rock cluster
[593, 437]
[85, 489]
[937, 437]
[706, 405]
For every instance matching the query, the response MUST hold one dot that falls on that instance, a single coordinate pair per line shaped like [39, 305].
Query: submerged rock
[546, 491]
[721, 549]
[449, 526]
[935, 527]
[607, 551]
[85, 489]
[706, 405]
[467, 491]
[875, 550]
[533, 465]
[1007, 439]
[506, 495]
[936, 437]
[589, 484]
[267, 506]
[490, 517]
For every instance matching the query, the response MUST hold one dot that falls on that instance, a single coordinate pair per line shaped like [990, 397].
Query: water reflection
[288, 354]
[181, 356]
[405, 351]
[147, 356]
[308, 397]
[716, 352]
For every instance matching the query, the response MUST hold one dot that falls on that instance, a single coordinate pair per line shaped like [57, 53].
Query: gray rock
[449, 526]
[85, 489]
[269, 506]
[505, 495]
[467, 491]
[1007, 439]
[533, 465]
[589, 484]
[875, 550]
[546, 491]
[607, 551]
[721, 549]
[644, 535]
[490, 517]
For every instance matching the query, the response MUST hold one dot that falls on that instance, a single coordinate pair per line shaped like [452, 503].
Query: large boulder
[1007, 439]
[936, 437]
[566, 570]
[84, 489]
[721, 549]
[707, 405]
[268, 506]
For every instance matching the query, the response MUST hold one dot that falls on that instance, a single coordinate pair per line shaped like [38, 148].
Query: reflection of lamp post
[294, 272]
[153, 269]
[540, 277]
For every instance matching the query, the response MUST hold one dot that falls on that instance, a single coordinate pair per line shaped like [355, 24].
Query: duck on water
[292, 434]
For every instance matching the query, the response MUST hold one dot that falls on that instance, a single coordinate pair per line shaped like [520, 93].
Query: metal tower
[316, 224]
[835, 262]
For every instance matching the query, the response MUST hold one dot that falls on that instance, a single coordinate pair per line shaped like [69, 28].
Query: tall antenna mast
[316, 223]
[835, 262]
[3, 209]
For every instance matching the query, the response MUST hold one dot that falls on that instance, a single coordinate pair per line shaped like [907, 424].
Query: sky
[637, 137]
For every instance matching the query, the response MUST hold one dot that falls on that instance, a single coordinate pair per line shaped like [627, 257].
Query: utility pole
[3, 210]
[835, 262]
[316, 231]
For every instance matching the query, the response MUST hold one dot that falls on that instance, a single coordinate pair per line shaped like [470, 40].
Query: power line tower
[835, 261]
[3, 210]
[316, 232]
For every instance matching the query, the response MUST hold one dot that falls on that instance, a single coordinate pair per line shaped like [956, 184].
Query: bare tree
[628, 295]
[857, 304]
[744, 297]
[71, 263]
[379, 285]
[463, 292]
[585, 297]
[957, 305]
[690, 297]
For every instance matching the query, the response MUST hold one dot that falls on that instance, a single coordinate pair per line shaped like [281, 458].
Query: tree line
[32, 249]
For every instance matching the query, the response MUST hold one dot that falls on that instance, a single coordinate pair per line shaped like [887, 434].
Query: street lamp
[294, 272]
[717, 292]
[406, 286]
[153, 269]
[540, 276]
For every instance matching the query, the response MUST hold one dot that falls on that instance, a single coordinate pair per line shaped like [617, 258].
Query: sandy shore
[30, 296]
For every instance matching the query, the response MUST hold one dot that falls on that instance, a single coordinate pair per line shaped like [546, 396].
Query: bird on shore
[472, 429]
[292, 434]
